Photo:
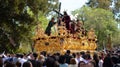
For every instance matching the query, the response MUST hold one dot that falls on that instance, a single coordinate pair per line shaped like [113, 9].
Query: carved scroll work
[65, 41]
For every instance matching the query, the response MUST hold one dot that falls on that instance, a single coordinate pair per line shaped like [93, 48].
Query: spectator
[9, 64]
[68, 56]
[73, 63]
[50, 62]
[78, 57]
[1, 62]
[96, 59]
[100, 64]
[62, 60]
[27, 64]
[107, 62]
[18, 64]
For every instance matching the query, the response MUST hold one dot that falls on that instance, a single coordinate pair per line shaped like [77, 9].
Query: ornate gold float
[62, 40]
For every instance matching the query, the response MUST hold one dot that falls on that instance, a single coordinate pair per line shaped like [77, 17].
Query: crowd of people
[69, 59]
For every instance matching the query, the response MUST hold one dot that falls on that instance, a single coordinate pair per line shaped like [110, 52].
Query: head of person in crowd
[62, 59]
[82, 53]
[85, 56]
[21, 55]
[72, 61]
[81, 64]
[68, 56]
[74, 55]
[107, 62]
[9, 64]
[57, 55]
[41, 58]
[44, 53]
[91, 64]
[95, 56]
[77, 55]
[87, 52]
[68, 52]
[88, 56]
[27, 64]
[35, 55]
[18, 64]
[39, 64]
[50, 62]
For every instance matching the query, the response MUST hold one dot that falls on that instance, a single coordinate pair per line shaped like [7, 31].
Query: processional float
[62, 40]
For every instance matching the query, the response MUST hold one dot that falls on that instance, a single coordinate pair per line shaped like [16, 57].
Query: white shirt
[22, 60]
[100, 63]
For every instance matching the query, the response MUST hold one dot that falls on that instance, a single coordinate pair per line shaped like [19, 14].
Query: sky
[70, 5]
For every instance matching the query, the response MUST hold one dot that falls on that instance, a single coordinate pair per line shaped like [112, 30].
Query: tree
[18, 19]
[112, 5]
[99, 4]
[99, 19]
